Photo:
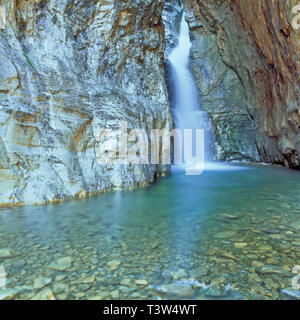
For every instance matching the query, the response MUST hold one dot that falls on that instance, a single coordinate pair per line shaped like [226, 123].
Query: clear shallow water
[227, 234]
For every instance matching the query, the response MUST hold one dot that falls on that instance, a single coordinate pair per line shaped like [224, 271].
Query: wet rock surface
[5, 253]
[172, 13]
[61, 264]
[69, 69]
[132, 246]
[245, 59]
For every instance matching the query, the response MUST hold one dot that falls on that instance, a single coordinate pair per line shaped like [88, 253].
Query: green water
[232, 234]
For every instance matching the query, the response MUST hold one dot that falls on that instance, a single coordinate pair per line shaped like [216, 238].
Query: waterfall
[186, 110]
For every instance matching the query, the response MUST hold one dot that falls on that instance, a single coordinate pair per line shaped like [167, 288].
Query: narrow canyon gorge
[98, 97]
[69, 68]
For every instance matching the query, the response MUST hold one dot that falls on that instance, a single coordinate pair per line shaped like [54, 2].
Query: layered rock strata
[68, 69]
[245, 59]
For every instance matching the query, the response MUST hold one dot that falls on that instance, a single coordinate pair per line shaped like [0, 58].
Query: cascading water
[187, 113]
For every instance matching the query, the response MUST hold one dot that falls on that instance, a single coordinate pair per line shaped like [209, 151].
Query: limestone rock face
[172, 13]
[245, 59]
[68, 69]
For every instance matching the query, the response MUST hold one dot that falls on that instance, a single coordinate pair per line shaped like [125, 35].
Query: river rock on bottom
[61, 264]
[5, 253]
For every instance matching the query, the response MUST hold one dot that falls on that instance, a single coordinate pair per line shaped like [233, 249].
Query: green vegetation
[28, 60]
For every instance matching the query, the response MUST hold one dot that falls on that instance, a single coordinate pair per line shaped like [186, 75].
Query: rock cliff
[72, 67]
[68, 69]
[172, 13]
[245, 59]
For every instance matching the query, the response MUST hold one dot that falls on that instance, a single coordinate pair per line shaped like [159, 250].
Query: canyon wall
[68, 69]
[245, 59]
[172, 14]
[72, 67]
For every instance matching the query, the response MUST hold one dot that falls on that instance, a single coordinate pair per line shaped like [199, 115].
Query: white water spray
[187, 113]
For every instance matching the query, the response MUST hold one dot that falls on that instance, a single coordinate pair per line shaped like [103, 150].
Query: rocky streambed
[229, 234]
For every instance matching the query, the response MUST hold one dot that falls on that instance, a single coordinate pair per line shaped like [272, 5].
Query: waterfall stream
[187, 112]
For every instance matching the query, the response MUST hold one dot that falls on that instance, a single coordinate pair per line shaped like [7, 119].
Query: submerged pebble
[8, 294]
[45, 294]
[41, 282]
[5, 253]
[61, 264]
